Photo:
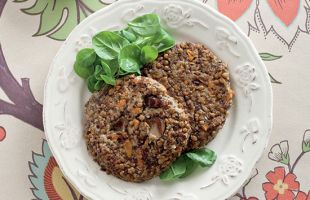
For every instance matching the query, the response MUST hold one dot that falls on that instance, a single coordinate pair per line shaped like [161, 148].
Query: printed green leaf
[37, 8]
[145, 25]
[92, 6]
[305, 147]
[269, 57]
[56, 10]
[108, 44]
[58, 18]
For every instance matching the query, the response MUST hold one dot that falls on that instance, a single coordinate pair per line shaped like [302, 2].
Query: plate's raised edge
[226, 20]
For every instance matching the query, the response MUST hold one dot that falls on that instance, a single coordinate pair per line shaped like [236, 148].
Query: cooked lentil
[135, 130]
[199, 81]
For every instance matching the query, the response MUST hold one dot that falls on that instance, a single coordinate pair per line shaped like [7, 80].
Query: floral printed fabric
[31, 32]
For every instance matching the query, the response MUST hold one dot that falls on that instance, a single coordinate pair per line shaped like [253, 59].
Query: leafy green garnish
[190, 167]
[204, 157]
[131, 51]
[145, 25]
[108, 44]
[113, 64]
[148, 54]
[163, 41]
[177, 169]
[92, 83]
[83, 65]
[129, 35]
[118, 53]
[129, 66]
[187, 163]
[106, 68]
[108, 79]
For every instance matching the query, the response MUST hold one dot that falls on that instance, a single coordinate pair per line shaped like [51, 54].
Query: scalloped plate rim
[210, 10]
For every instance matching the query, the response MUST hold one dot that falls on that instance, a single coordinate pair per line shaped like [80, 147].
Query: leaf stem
[247, 183]
[297, 160]
[273, 80]
[2, 4]
[289, 166]
[78, 14]
[86, 7]
[238, 195]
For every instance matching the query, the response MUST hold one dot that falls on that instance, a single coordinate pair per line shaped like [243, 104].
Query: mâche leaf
[187, 163]
[148, 54]
[98, 72]
[145, 25]
[98, 85]
[130, 51]
[204, 157]
[91, 82]
[129, 65]
[83, 65]
[128, 35]
[177, 169]
[113, 64]
[163, 41]
[108, 79]
[107, 45]
[190, 167]
[106, 68]
[118, 53]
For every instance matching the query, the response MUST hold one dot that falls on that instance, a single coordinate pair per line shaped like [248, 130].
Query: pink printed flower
[280, 186]
[233, 8]
[286, 11]
[2, 133]
[284, 20]
[302, 196]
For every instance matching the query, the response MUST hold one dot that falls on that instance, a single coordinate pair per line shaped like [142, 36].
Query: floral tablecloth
[31, 31]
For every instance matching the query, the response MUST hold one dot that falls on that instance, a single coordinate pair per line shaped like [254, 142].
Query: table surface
[31, 32]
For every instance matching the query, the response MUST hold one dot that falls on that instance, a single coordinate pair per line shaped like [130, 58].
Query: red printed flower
[302, 196]
[281, 186]
[2, 133]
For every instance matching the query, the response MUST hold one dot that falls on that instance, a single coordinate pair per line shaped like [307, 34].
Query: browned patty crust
[199, 81]
[135, 130]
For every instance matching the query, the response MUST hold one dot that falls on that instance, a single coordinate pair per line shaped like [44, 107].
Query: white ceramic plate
[239, 144]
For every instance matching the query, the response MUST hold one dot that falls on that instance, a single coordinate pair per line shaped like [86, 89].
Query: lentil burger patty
[199, 81]
[135, 130]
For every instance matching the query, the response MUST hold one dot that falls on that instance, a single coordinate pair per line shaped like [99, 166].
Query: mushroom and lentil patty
[135, 130]
[199, 81]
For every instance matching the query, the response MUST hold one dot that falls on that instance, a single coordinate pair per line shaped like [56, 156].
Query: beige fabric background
[30, 57]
